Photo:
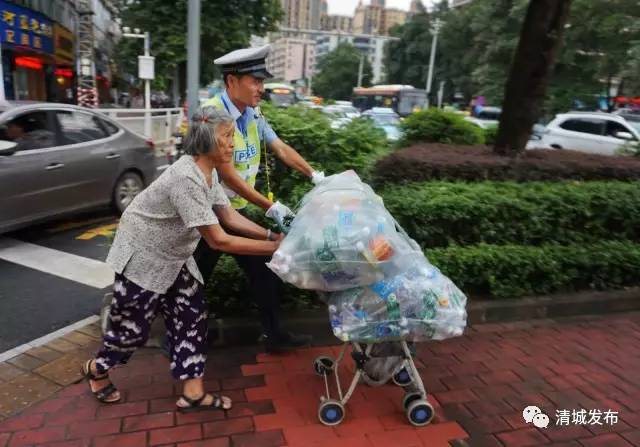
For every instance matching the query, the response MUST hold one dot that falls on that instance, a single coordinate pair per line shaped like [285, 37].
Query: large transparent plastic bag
[417, 305]
[342, 237]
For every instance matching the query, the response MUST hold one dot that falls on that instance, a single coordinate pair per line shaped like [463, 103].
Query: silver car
[57, 159]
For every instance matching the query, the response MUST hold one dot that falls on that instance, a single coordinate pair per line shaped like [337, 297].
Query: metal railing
[164, 123]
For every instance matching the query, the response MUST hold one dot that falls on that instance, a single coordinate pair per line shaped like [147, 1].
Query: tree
[533, 63]
[478, 41]
[225, 25]
[474, 49]
[407, 59]
[338, 72]
[598, 49]
[630, 75]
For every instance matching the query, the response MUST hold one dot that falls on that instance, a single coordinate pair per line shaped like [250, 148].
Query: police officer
[244, 72]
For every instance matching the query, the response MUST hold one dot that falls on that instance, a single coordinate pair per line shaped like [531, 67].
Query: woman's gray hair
[202, 135]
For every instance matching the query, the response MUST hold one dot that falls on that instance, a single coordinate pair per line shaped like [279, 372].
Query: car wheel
[126, 188]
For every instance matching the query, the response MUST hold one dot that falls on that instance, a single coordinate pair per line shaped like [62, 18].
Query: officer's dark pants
[264, 286]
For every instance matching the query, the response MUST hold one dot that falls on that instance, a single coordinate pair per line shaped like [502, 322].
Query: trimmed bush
[356, 146]
[438, 214]
[511, 271]
[437, 126]
[428, 162]
[490, 135]
[228, 294]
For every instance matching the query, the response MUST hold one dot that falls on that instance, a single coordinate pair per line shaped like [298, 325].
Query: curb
[225, 331]
[554, 306]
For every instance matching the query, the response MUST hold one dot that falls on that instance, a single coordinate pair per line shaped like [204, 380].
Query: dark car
[57, 159]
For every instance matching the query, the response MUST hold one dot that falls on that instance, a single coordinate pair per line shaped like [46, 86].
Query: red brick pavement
[479, 384]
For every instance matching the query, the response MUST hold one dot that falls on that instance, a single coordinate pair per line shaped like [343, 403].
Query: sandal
[196, 404]
[102, 394]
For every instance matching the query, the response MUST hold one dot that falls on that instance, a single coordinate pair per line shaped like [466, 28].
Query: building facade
[292, 59]
[390, 18]
[416, 7]
[375, 19]
[303, 14]
[39, 48]
[371, 46]
[106, 32]
[368, 19]
[336, 23]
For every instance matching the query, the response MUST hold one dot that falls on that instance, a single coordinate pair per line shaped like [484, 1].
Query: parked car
[349, 111]
[386, 119]
[488, 117]
[631, 116]
[57, 159]
[340, 115]
[337, 116]
[592, 132]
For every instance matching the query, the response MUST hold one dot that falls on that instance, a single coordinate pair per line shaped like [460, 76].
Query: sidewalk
[479, 383]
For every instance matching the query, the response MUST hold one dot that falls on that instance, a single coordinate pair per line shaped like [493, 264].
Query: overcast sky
[347, 7]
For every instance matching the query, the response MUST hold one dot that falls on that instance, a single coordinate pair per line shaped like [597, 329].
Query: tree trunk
[540, 40]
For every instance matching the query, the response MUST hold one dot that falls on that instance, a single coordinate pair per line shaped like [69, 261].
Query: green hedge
[437, 126]
[438, 214]
[490, 135]
[481, 271]
[227, 292]
[356, 146]
[472, 230]
[513, 271]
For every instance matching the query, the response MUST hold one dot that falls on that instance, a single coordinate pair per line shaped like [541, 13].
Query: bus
[280, 95]
[403, 99]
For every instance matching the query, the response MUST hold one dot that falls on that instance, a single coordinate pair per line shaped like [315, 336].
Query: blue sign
[22, 27]
[245, 155]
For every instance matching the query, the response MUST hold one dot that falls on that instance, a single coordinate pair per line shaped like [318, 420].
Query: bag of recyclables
[381, 286]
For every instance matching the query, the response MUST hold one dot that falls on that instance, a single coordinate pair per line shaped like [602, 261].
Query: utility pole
[432, 57]
[304, 63]
[360, 69]
[147, 82]
[440, 94]
[146, 71]
[147, 89]
[193, 56]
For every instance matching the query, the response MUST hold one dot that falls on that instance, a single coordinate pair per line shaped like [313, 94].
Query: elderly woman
[155, 270]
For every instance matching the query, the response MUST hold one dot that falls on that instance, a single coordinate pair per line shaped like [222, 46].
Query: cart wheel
[402, 377]
[411, 397]
[323, 365]
[331, 412]
[420, 412]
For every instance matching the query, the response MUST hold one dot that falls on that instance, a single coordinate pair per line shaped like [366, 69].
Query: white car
[592, 132]
[337, 116]
[488, 117]
[387, 120]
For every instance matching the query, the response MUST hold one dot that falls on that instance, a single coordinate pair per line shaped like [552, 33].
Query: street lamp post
[432, 57]
[193, 55]
[147, 82]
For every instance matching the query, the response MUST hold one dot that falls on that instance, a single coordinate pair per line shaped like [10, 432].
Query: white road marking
[162, 168]
[65, 265]
[4, 356]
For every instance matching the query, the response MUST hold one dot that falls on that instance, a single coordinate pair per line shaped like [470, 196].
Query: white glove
[278, 212]
[317, 177]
